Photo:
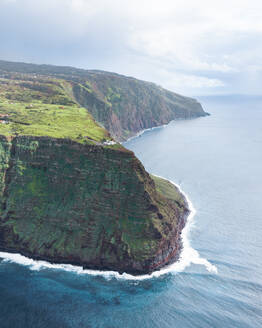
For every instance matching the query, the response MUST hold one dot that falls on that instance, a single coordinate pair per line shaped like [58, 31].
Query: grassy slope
[171, 193]
[121, 197]
[168, 189]
[123, 105]
[43, 108]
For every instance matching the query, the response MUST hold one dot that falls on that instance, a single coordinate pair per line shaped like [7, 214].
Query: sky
[190, 47]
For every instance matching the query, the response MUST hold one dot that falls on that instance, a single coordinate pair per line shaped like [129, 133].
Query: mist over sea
[217, 161]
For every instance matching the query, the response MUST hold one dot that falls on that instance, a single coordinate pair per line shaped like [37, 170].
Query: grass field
[43, 108]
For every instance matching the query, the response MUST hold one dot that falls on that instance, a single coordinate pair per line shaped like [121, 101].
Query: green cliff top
[80, 202]
[122, 105]
[169, 190]
[44, 107]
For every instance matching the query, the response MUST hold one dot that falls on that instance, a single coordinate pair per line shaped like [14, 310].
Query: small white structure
[109, 143]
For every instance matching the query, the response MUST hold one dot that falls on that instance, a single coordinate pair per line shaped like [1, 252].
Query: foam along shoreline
[139, 134]
[187, 257]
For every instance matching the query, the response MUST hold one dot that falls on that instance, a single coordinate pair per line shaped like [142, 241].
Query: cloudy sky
[188, 46]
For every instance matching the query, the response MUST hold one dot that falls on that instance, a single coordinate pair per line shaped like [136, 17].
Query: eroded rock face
[66, 202]
[123, 105]
[68, 192]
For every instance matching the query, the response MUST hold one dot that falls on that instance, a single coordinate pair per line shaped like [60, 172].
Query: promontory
[69, 191]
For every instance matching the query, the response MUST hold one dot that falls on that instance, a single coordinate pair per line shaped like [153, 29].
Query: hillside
[41, 107]
[123, 105]
[69, 193]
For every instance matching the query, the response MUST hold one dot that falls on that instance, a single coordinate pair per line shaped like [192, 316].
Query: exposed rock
[69, 193]
[123, 105]
[88, 205]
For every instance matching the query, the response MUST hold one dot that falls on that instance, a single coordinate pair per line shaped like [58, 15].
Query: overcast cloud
[191, 47]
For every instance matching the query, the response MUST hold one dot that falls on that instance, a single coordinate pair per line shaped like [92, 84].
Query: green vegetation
[168, 189]
[123, 105]
[83, 204]
[113, 97]
[43, 108]
[88, 202]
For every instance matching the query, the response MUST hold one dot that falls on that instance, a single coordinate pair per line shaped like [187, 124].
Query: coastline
[186, 257]
[162, 260]
[183, 257]
[140, 133]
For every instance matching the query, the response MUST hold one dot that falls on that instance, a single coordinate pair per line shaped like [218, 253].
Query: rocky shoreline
[69, 193]
[171, 253]
[168, 254]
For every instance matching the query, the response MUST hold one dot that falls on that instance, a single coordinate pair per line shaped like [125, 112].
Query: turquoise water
[217, 161]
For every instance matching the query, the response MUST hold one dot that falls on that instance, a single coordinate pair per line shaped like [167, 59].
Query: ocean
[217, 162]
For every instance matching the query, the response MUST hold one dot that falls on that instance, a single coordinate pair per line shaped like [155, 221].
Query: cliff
[69, 193]
[88, 205]
[123, 105]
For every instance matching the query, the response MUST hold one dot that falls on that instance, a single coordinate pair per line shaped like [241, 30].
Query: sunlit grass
[36, 117]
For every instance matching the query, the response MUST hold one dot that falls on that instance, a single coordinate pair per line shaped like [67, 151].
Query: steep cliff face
[123, 105]
[85, 204]
[126, 105]
[69, 193]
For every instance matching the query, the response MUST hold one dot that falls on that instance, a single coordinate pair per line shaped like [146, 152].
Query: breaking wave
[188, 256]
[139, 134]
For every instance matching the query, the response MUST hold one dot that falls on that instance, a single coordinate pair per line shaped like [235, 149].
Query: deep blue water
[217, 160]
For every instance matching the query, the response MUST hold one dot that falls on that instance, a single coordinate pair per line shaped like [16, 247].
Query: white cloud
[190, 30]
[175, 81]
[203, 44]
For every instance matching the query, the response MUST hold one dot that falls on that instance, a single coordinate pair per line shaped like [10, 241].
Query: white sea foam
[188, 256]
[139, 134]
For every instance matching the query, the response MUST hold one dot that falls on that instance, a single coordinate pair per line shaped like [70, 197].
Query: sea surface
[217, 161]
